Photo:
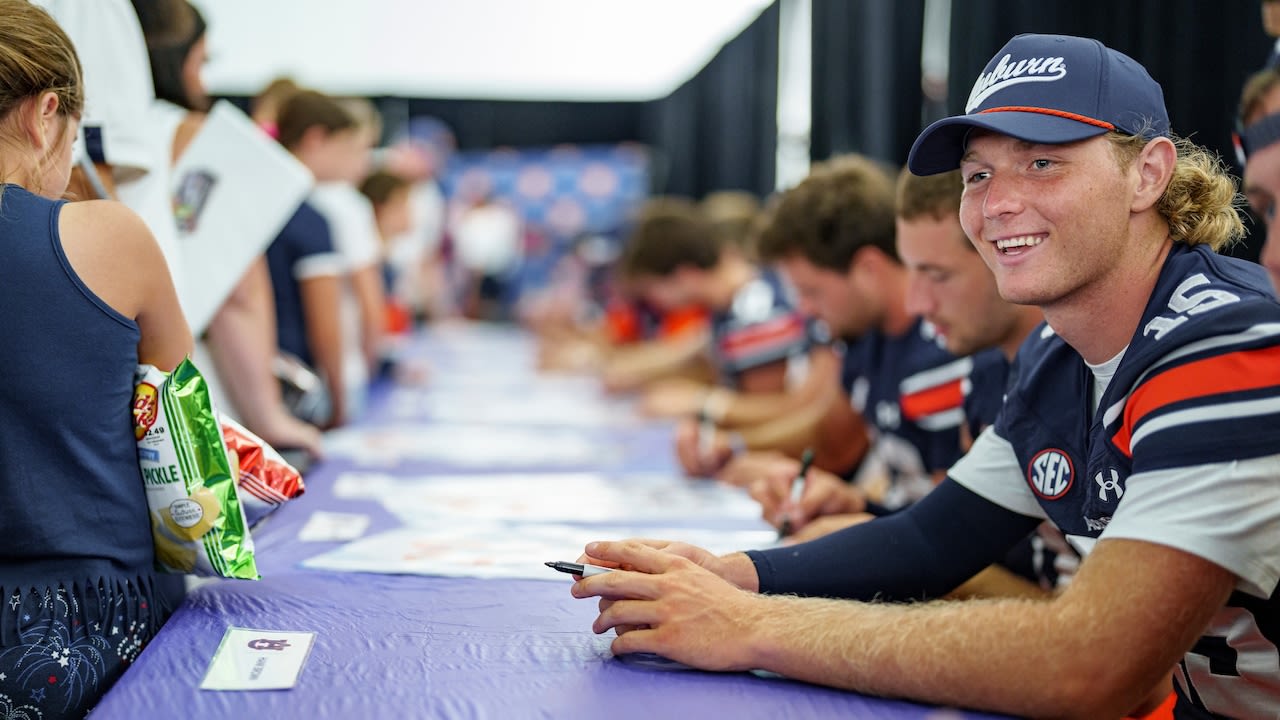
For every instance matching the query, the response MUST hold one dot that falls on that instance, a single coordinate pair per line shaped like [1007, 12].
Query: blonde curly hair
[1201, 203]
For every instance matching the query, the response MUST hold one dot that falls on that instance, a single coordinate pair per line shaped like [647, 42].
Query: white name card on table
[258, 660]
[234, 189]
[325, 526]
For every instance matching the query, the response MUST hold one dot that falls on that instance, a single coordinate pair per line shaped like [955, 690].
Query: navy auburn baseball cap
[1050, 89]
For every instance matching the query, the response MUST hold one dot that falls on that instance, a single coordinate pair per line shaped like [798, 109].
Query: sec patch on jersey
[1050, 474]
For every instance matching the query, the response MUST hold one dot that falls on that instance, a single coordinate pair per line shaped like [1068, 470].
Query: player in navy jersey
[952, 288]
[1144, 422]
[833, 236]
[757, 342]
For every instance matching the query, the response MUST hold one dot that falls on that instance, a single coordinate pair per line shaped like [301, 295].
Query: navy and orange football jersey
[1182, 450]
[760, 327]
[910, 392]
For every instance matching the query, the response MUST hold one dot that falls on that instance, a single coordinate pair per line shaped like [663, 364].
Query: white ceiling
[480, 49]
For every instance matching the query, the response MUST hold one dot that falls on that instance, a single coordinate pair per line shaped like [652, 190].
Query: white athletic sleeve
[991, 469]
[1226, 513]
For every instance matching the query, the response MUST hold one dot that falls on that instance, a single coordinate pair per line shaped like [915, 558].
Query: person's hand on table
[673, 397]
[674, 600]
[745, 469]
[701, 455]
[826, 525]
[824, 494]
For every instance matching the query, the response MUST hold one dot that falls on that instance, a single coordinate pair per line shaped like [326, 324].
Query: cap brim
[942, 144]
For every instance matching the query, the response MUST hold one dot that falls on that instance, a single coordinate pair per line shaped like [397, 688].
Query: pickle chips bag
[196, 520]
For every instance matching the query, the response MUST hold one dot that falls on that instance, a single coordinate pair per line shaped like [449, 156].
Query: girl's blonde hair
[36, 57]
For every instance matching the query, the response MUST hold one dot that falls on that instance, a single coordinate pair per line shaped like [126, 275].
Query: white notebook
[234, 188]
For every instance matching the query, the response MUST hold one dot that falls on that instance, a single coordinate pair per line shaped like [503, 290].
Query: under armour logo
[888, 416]
[264, 644]
[1105, 485]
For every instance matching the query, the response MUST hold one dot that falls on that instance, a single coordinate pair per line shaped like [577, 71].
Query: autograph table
[434, 647]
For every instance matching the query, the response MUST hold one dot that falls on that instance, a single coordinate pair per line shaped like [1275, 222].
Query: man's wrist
[715, 404]
[738, 569]
[855, 499]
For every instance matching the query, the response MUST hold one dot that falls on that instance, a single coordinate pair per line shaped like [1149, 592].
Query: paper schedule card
[258, 660]
[233, 189]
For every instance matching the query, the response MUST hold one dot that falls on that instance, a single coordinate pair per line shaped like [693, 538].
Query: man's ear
[1154, 167]
[688, 273]
[868, 261]
[312, 138]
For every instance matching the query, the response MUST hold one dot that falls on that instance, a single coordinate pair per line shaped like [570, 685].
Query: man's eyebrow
[927, 266]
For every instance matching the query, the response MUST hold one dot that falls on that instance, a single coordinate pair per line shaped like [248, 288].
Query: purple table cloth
[427, 647]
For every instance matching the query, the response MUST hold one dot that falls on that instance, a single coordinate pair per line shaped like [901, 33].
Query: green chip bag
[196, 520]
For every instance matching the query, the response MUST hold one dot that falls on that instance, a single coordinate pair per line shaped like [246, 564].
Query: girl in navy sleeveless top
[86, 296]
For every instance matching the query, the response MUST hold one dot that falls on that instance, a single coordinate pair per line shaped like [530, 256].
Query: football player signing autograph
[1144, 423]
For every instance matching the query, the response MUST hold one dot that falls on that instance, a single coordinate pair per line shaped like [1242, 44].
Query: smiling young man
[1146, 424]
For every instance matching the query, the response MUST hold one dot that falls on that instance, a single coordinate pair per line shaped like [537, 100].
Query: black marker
[579, 569]
[797, 490]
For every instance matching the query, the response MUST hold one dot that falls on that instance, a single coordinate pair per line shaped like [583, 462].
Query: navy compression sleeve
[924, 551]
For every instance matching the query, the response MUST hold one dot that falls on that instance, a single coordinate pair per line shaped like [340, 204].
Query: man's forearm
[973, 654]
[1095, 651]
[820, 387]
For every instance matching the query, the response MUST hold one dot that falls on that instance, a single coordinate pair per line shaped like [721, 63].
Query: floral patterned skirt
[62, 648]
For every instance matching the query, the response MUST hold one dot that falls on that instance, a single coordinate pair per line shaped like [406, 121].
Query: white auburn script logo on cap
[1005, 74]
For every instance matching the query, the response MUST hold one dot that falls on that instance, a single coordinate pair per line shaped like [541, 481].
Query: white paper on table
[248, 659]
[548, 497]
[325, 526]
[234, 189]
[527, 406]
[466, 549]
[477, 446]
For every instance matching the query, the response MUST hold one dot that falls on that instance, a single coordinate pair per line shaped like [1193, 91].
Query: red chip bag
[266, 481]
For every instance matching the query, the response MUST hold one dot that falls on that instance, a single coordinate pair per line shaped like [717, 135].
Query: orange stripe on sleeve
[678, 322]
[1232, 372]
[766, 335]
[939, 398]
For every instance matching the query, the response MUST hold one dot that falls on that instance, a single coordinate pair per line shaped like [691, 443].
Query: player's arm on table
[824, 495]
[1102, 646]
[632, 366]
[821, 385]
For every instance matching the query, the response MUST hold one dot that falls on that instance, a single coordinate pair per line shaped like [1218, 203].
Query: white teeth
[1020, 241]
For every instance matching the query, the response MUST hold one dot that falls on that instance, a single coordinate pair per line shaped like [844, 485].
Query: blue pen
[797, 490]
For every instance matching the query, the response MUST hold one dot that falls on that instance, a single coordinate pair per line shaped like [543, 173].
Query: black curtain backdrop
[719, 131]
[483, 124]
[1200, 52]
[866, 78]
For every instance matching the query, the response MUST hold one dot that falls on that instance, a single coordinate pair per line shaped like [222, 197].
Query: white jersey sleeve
[1226, 513]
[991, 469]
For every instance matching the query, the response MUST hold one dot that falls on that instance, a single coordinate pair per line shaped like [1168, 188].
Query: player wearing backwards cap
[1145, 423]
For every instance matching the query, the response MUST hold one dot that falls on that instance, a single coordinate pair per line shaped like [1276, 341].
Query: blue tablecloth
[428, 647]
